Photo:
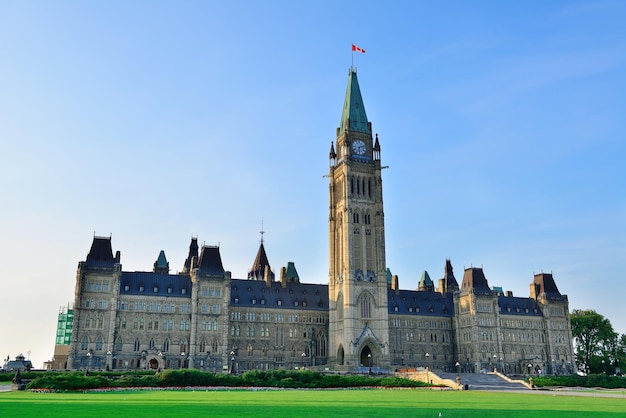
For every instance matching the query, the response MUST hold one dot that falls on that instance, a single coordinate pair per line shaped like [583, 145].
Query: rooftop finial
[262, 231]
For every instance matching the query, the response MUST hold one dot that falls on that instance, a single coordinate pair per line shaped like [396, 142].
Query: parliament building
[203, 318]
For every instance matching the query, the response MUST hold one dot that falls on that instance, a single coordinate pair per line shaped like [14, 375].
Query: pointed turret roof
[353, 108]
[161, 265]
[257, 270]
[450, 282]
[193, 252]
[425, 283]
[291, 274]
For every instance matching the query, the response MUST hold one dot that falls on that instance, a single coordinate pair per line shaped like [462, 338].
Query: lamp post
[603, 368]
[618, 370]
[88, 363]
[160, 354]
[232, 362]
[369, 361]
[427, 377]
[530, 367]
[458, 366]
[303, 355]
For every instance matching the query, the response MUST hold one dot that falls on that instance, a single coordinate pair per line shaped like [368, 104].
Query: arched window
[88, 322]
[166, 345]
[250, 350]
[99, 343]
[214, 346]
[152, 344]
[84, 343]
[137, 344]
[202, 346]
[366, 308]
[118, 346]
[321, 345]
[183, 346]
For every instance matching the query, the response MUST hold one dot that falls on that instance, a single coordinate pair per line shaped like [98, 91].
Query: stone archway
[153, 364]
[366, 357]
[340, 355]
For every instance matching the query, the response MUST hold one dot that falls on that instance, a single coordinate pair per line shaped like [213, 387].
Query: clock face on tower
[358, 147]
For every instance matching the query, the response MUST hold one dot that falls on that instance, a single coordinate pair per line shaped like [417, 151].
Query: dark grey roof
[474, 278]
[145, 284]
[545, 283]
[101, 253]
[420, 303]
[511, 305]
[294, 296]
[210, 261]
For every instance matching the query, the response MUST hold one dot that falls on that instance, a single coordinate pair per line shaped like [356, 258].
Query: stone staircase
[484, 381]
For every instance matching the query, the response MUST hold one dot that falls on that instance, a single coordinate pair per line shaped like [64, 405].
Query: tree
[595, 339]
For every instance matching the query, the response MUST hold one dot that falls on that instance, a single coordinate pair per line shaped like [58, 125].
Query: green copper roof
[292, 274]
[161, 260]
[353, 108]
[425, 280]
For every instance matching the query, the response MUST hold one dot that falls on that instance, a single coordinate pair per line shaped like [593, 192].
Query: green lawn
[335, 403]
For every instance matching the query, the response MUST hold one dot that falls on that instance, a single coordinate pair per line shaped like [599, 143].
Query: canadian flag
[357, 49]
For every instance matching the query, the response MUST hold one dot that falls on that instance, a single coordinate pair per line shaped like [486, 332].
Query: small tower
[425, 284]
[448, 283]
[161, 265]
[261, 266]
[193, 253]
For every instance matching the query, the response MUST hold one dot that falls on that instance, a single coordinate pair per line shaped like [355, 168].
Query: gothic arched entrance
[366, 357]
[153, 364]
[340, 355]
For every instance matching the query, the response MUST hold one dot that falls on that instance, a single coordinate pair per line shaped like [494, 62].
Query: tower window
[365, 307]
[355, 218]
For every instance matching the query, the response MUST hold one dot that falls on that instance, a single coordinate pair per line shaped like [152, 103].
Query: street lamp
[603, 368]
[369, 360]
[494, 363]
[303, 355]
[530, 367]
[88, 363]
[457, 365]
[232, 362]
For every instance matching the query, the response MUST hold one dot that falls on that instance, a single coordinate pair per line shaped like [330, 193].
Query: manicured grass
[297, 403]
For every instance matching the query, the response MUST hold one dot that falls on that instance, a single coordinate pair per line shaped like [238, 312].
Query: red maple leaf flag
[357, 49]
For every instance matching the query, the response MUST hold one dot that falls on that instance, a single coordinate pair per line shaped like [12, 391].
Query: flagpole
[352, 63]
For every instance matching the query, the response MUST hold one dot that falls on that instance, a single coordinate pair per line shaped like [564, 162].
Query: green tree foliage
[595, 340]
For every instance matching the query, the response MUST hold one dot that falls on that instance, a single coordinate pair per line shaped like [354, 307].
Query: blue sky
[502, 123]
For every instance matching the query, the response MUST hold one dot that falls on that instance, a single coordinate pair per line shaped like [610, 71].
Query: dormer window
[170, 289]
[236, 299]
[183, 291]
[141, 288]
[126, 288]
[156, 289]
[254, 301]
[279, 302]
[395, 308]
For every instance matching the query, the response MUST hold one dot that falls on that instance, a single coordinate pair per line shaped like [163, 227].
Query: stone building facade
[203, 318]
